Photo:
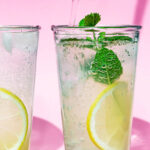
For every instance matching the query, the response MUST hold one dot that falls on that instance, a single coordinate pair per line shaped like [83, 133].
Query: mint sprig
[106, 66]
[118, 38]
[90, 20]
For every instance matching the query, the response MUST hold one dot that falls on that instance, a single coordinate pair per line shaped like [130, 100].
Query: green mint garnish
[115, 38]
[102, 39]
[101, 36]
[89, 39]
[81, 23]
[90, 20]
[106, 67]
[81, 43]
[72, 40]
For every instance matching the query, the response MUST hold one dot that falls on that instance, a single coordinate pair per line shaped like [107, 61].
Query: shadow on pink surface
[45, 135]
[140, 139]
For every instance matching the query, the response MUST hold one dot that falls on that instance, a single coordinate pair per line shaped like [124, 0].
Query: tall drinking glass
[18, 51]
[96, 68]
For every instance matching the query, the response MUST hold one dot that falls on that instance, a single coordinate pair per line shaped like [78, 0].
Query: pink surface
[46, 136]
[140, 135]
[48, 12]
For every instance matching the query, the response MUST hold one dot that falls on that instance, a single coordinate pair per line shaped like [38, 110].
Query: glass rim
[19, 28]
[64, 27]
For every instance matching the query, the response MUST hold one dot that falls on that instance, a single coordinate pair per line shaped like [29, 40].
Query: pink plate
[140, 139]
[46, 136]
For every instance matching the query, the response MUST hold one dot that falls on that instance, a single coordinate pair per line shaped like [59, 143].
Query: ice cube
[7, 41]
[26, 41]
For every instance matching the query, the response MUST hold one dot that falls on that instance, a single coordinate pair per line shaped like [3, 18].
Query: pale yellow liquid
[17, 72]
[78, 90]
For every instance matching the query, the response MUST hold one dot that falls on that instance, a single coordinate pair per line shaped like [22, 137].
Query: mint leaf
[101, 35]
[90, 20]
[81, 43]
[106, 40]
[100, 38]
[89, 39]
[81, 23]
[106, 66]
[115, 38]
[72, 39]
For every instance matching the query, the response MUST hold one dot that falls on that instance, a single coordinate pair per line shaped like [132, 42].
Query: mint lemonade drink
[96, 68]
[18, 50]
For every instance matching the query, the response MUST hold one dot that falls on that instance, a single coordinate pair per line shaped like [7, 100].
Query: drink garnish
[106, 66]
[13, 123]
[90, 20]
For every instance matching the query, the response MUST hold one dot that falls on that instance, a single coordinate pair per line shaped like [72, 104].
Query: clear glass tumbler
[96, 68]
[18, 52]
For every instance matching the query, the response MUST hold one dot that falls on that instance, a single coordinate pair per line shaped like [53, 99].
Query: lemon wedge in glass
[108, 121]
[13, 121]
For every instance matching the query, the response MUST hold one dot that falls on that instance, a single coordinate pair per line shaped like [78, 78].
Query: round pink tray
[46, 136]
[140, 139]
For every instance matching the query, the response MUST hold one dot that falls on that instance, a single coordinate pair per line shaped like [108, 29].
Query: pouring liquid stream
[74, 9]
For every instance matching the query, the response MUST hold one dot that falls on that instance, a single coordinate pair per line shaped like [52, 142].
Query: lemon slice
[13, 121]
[108, 120]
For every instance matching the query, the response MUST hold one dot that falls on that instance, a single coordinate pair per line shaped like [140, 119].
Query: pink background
[48, 12]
